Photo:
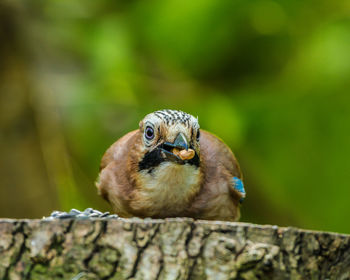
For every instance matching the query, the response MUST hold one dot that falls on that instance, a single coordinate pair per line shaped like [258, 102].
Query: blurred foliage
[271, 78]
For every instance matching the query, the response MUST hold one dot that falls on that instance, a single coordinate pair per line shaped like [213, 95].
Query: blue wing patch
[238, 185]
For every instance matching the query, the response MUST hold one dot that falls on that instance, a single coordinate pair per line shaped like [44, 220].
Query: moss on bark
[168, 249]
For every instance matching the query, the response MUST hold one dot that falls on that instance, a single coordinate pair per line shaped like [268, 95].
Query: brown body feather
[213, 197]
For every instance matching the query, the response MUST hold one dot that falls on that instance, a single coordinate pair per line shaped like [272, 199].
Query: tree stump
[177, 248]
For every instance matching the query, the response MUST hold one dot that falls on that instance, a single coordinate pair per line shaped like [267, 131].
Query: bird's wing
[217, 152]
[113, 183]
[220, 154]
[219, 167]
[118, 150]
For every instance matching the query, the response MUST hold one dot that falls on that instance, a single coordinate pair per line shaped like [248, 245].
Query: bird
[170, 167]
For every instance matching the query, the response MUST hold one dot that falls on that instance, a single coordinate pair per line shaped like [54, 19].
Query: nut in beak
[184, 154]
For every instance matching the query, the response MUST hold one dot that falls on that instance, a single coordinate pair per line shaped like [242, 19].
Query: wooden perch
[167, 249]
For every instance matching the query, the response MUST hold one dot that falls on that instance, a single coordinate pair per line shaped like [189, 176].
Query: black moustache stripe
[193, 161]
[151, 159]
[154, 158]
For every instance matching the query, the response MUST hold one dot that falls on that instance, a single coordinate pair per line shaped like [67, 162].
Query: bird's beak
[179, 143]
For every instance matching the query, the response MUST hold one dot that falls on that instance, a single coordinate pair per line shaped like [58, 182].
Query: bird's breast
[167, 189]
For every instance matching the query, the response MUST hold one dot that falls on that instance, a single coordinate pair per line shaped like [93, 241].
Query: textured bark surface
[167, 249]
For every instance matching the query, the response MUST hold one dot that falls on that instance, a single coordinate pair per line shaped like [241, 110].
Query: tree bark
[176, 248]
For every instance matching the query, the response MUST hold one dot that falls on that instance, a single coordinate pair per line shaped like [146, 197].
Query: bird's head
[169, 135]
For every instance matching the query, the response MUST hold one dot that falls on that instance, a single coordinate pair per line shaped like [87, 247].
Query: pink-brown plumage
[137, 186]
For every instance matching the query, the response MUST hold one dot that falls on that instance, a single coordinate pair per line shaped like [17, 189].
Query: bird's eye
[149, 133]
[198, 135]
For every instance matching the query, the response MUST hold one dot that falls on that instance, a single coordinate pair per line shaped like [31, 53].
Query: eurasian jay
[169, 167]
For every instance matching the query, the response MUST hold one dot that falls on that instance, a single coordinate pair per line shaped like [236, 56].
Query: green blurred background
[271, 78]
